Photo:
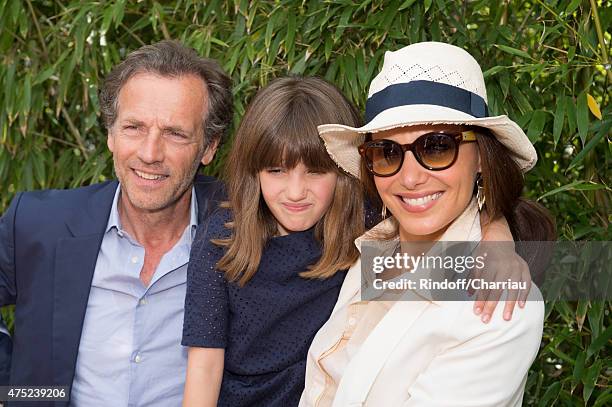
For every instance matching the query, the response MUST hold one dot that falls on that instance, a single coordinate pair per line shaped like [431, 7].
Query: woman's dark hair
[503, 186]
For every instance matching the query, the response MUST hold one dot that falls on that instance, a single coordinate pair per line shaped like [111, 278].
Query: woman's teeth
[148, 176]
[422, 200]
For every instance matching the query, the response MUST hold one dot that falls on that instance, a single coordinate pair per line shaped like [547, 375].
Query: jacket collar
[465, 228]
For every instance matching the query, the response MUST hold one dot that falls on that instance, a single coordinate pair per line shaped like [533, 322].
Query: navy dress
[266, 327]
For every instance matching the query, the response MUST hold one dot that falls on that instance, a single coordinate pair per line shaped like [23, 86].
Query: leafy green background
[545, 62]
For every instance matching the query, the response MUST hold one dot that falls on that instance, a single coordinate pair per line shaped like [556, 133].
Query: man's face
[157, 139]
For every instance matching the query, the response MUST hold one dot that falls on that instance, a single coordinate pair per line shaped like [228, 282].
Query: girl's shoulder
[215, 226]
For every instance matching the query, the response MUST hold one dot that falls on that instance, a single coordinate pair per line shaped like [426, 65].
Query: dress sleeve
[206, 317]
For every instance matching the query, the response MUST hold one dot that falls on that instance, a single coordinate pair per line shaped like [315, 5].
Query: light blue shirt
[130, 352]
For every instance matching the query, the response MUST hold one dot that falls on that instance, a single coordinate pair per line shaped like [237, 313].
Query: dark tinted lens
[437, 150]
[385, 156]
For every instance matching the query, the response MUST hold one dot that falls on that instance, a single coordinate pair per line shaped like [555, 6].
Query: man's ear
[210, 151]
[110, 141]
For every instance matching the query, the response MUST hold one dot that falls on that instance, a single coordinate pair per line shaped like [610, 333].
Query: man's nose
[151, 149]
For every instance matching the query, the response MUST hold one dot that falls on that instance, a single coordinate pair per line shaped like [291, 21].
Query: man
[98, 273]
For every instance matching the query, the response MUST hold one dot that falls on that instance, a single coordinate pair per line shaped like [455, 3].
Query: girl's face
[298, 198]
[426, 202]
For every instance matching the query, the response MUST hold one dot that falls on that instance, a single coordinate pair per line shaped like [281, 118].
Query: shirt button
[143, 301]
[352, 321]
[138, 359]
[135, 259]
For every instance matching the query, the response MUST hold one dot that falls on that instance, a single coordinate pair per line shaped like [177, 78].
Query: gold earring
[480, 193]
[383, 213]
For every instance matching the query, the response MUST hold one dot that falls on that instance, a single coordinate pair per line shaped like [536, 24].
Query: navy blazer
[49, 244]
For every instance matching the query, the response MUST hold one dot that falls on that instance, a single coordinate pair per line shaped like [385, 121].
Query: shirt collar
[115, 222]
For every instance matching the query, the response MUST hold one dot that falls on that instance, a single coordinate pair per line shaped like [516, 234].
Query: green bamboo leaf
[4, 164]
[595, 316]
[26, 102]
[571, 52]
[493, 71]
[290, 37]
[590, 379]
[43, 76]
[572, 6]
[299, 67]
[521, 101]
[16, 11]
[590, 145]
[604, 399]
[601, 341]
[39, 170]
[344, 18]
[274, 50]
[578, 370]
[406, 5]
[270, 30]
[108, 17]
[328, 47]
[513, 51]
[581, 311]
[536, 125]
[570, 114]
[504, 83]
[576, 185]
[217, 41]
[27, 180]
[118, 12]
[582, 116]
[558, 121]
[551, 393]
[24, 25]
[427, 5]
[80, 36]
[414, 34]
[362, 74]
[9, 90]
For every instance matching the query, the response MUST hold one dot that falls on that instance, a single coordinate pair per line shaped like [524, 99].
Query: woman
[433, 157]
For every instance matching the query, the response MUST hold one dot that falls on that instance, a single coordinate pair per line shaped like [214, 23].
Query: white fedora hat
[426, 83]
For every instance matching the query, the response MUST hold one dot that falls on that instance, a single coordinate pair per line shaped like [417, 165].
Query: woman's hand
[502, 264]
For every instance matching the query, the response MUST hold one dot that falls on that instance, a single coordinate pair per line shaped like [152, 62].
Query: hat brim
[342, 141]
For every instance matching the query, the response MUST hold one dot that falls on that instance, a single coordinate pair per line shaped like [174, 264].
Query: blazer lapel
[363, 369]
[75, 262]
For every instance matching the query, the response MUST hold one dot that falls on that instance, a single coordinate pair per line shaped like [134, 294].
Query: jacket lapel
[365, 366]
[75, 261]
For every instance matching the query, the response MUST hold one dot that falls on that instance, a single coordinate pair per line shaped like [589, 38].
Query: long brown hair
[279, 129]
[503, 186]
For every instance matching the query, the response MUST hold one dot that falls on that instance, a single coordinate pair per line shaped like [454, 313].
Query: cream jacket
[425, 353]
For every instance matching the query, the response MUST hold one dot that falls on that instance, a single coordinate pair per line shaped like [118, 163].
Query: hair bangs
[294, 139]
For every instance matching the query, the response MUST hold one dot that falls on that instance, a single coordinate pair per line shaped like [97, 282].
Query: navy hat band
[426, 93]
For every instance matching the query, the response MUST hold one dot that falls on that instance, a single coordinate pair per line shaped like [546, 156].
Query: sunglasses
[435, 151]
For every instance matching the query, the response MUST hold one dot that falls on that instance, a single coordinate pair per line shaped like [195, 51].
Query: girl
[264, 277]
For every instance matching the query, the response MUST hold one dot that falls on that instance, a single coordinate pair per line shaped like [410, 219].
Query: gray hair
[173, 59]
